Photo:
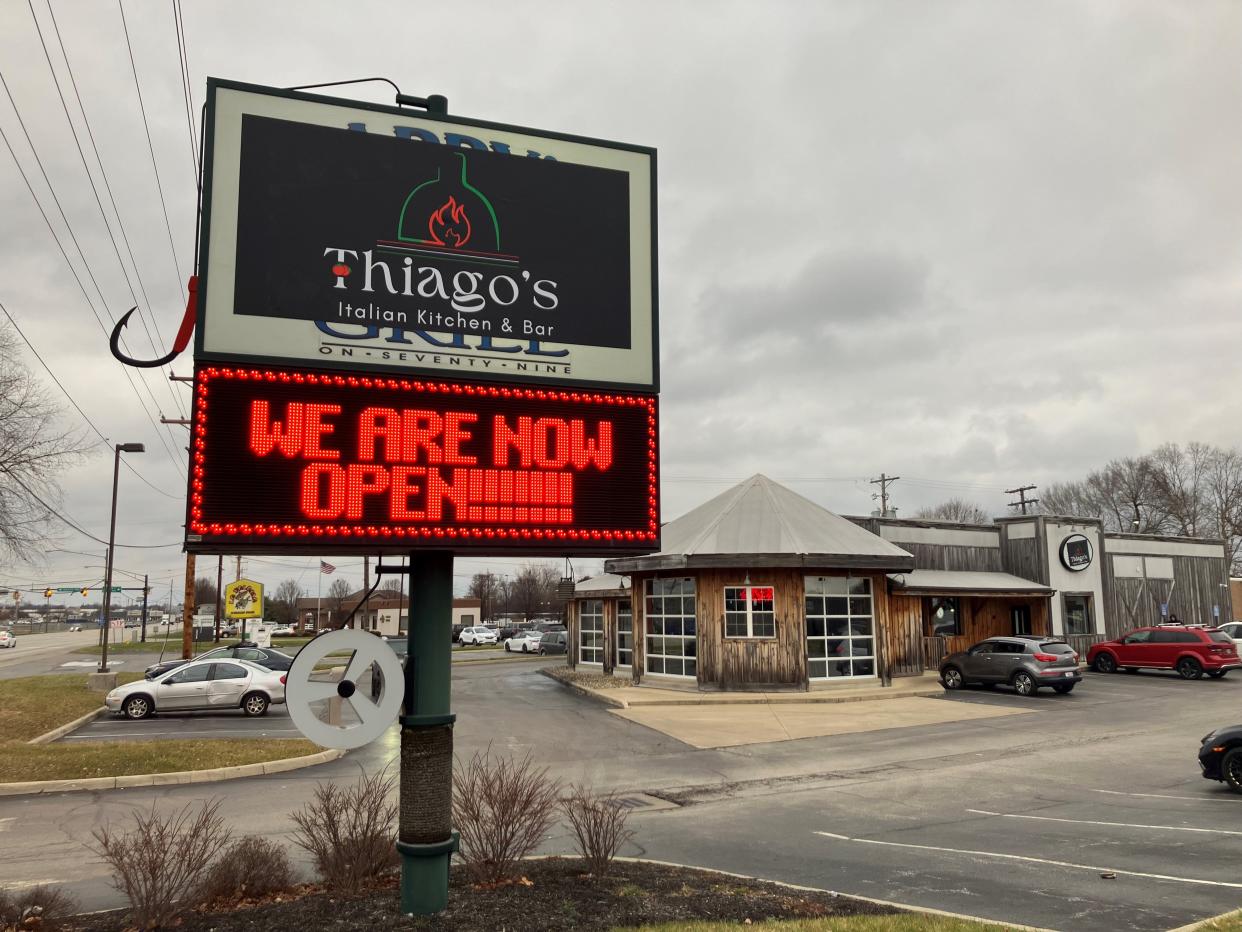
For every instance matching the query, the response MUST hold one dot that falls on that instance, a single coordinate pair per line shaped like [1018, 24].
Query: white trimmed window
[625, 633]
[591, 631]
[840, 628]
[749, 612]
[672, 645]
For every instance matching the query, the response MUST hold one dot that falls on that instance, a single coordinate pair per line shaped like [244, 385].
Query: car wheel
[1024, 683]
[1064, 688]
[1106, 663]
[508, 648]
[137, 707]
[1217, 674]
[1189, 669]
[950, 677]
[542, 652]
[255, 704]
[1231, 769]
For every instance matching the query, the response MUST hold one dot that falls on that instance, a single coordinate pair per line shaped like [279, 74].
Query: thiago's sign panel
[317, 461]
[345, 235]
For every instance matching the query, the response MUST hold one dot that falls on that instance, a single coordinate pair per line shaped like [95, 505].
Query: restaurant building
[760, 588]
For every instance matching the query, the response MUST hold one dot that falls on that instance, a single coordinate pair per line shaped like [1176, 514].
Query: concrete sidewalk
[633, 697]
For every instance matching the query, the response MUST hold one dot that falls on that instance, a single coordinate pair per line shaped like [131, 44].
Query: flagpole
[318, 596]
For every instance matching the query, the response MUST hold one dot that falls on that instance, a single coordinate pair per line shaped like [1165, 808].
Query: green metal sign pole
[425, 837]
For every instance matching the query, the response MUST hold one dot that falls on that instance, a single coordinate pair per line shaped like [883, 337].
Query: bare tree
[35, 448]
[488, 588]
[1124, 495]
[956, 509]
[533, 590]
[205, 593]
[286, 601]
[337, 597]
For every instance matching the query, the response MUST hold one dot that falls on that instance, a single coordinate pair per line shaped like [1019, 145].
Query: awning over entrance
[956, 582]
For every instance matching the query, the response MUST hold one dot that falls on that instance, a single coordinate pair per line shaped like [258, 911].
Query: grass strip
[172, 647]
[33, 705]
[80, 760]
[903, 922]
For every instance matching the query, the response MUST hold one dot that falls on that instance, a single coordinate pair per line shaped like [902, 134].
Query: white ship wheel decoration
[373, 715]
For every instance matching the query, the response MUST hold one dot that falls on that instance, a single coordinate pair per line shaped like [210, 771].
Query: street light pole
[107, 593]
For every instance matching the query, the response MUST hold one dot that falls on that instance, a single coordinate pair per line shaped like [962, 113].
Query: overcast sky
[973, 244]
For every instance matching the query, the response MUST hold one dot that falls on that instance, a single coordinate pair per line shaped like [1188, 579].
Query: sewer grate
[641, 801]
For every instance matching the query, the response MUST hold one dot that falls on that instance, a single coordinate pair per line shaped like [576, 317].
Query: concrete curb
[1206, 923]
[593, 694]
[925, 910]
[176, 778]
[72, 726]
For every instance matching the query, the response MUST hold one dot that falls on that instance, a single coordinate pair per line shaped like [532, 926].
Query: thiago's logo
[1076, 553]
[449, 226]
[444, 211]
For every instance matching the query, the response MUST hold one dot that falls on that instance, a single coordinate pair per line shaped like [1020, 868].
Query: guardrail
[1080, 642]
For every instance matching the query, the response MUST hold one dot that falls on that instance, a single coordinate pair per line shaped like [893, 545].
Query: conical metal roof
[761, 523]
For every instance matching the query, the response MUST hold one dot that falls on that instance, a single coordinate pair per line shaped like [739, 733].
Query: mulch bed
[557, 895]
[591, 680]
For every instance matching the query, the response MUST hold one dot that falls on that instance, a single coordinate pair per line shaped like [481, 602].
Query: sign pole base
[426, 840]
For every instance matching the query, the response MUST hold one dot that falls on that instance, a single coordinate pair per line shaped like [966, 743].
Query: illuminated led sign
[345, 235]
[324, 462]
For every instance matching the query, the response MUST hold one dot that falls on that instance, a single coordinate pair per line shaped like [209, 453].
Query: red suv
[1189, 650]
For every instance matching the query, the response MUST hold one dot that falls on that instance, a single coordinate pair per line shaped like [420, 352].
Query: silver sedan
[199, 685]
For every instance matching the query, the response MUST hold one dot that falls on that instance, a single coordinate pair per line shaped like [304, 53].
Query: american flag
[326, 567]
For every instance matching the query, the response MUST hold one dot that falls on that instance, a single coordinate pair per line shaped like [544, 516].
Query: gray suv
[1025, 663]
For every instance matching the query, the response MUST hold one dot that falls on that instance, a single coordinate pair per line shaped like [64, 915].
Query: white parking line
[1167, 828]
[92, 663]
[165, 734]
[1030, 860]
[1227, 799]
[6, 824]
[19, 884]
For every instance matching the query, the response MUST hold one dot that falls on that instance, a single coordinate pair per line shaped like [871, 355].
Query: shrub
[251, 866]
[44, 908]
[158, 864]
[350, 832]
[598, 821]
[502, 808]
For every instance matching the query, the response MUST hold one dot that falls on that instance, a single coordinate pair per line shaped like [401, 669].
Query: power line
[66, 520]
[64, 253]
[184, 55]
[146, 300]
[90, 423]
[884, 482]
[150, 145]
[1023, 501]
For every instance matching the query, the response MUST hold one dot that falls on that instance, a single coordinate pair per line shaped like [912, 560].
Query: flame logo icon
[449, 226]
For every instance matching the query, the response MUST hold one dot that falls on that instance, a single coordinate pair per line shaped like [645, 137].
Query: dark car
[553, 642]
[1220, 756]
[1024, 663]
[457, 630]
[1190, 650]
[263, 656]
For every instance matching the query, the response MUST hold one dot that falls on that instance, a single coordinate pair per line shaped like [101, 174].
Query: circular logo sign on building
[1076, 553]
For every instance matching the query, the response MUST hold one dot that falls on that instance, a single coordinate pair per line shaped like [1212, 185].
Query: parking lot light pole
[107, 593]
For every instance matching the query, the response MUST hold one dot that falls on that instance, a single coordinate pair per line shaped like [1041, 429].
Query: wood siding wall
[1026, 558]
[945, 557]
[903, 635]
[735, 662]
[985, 618]
[1195, 589]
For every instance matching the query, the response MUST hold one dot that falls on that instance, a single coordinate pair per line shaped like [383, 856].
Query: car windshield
[1056, 647]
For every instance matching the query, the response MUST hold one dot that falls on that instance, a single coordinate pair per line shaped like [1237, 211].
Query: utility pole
[238, 576]
[145, 591]
[1023, 501]
[884, 482]
[366, 586]
[187, 610]
[219, 582]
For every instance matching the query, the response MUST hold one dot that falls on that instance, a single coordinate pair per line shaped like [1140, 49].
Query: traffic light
[85, 591]
[48, 593]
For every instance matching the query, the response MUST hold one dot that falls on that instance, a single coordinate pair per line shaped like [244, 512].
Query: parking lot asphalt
[1014, 818]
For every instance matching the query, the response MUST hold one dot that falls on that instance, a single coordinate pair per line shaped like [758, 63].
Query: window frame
[843, 599]
[662, 591]
[930, 611]
[626, 651]
[596, 649]
[750, 612]
[1088, 601]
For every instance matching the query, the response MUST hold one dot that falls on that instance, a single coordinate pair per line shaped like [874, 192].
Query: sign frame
[231, 593]
[208, 534]
[202, 354]
[1064, 555]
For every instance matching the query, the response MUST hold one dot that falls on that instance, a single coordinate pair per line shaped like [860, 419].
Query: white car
[8, 639]
[283, 631]
[527, 642]
[202, 684]
[478, 634]
[1234, 630]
